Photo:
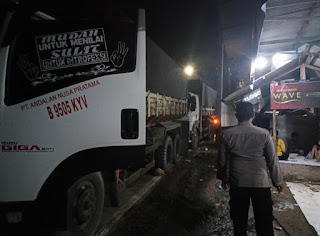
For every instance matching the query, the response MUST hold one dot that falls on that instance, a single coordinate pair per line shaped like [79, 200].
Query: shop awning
[295, 71]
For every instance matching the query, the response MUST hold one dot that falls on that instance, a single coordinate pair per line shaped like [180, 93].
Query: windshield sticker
[50, 77]
[118, 56]
[72, 49]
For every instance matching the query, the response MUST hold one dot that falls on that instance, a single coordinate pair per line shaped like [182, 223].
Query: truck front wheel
[85, 200]
[164, 155]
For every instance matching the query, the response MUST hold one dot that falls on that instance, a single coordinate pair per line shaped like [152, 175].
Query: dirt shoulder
[189, 201]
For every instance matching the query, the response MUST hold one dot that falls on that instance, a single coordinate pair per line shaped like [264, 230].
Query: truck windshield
[49, 52]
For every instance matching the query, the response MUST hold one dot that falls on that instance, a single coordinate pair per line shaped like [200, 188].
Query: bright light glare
[189, 70]
[280, 59]
[260, 63]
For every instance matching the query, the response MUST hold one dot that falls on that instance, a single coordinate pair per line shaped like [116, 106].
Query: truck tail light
[214, 121]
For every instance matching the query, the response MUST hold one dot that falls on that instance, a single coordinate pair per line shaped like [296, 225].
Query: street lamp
[189, 70]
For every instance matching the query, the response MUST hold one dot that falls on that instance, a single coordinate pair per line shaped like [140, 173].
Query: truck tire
[195, 140]
[85, 200]
[176, 149]
[164, 155]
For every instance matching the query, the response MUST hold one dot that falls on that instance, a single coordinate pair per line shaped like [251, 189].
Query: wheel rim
[85, 203]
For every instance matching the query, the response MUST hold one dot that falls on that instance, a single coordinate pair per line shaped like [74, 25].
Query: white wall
[228, 117]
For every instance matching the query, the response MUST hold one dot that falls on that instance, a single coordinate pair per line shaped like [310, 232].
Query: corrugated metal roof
[291, 10]
[289, 24]
[237, 22]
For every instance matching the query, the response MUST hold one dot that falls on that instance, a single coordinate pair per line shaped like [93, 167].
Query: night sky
[191, 32]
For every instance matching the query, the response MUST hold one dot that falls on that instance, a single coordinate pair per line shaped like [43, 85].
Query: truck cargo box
[164, 75]
[207, 95]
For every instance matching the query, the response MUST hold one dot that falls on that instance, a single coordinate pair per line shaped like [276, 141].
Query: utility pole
[220, 88]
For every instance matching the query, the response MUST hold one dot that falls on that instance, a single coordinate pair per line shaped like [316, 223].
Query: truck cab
[203, 122]
[194, 115]
[72, 110]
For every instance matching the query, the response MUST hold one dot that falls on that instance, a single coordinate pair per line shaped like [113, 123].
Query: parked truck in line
[81, 97]
[202, 114]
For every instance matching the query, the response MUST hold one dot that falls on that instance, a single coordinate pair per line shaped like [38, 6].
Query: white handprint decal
[117, 57]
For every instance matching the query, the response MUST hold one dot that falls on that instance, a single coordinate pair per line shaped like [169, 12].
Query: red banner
[294, 96]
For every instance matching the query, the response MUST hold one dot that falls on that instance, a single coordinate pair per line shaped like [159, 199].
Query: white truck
[203, 120]
[80, 97]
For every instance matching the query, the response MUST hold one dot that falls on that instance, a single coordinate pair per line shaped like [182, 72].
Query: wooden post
[157, 105]
[149, 105]
[303, 72]
[274, 136]
[309, 59]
